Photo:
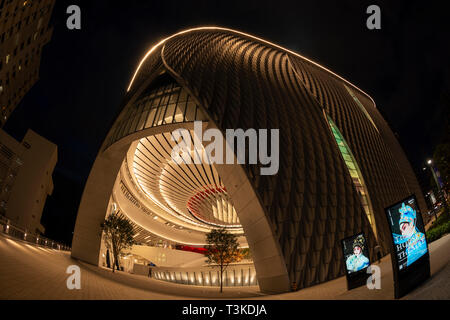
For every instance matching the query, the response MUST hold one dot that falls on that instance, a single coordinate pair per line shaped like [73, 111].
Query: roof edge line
[247, 35]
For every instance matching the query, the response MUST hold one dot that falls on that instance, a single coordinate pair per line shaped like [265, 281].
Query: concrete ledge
[276, 284]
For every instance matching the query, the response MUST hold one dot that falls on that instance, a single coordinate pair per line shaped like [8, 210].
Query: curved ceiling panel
[191, 192]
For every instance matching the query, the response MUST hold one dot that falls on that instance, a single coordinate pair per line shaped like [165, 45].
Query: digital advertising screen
[408, 232]
[356, 253]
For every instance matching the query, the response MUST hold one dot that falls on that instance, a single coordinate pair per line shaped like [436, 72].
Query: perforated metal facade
[312, 203]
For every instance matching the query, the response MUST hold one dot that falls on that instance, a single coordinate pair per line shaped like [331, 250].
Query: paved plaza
[30, 272]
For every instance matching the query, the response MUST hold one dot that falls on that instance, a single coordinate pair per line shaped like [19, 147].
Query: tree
[441, 157]
[221, 250]
[118, 235]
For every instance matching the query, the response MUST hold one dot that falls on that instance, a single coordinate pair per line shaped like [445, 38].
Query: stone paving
[30, 272]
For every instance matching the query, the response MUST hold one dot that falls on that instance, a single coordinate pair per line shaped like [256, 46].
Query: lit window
[355, 173]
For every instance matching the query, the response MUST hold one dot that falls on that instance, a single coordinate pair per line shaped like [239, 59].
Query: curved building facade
[339, 163]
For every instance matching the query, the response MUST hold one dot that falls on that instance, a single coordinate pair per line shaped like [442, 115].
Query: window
[355, 173]
[164, 102]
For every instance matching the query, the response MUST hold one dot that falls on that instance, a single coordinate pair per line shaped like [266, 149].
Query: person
[108, 263]
[377, 250]
[357, 261]
[411, 237]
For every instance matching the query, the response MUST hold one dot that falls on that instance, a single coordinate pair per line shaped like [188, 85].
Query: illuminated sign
[408, 232]
[409, 254]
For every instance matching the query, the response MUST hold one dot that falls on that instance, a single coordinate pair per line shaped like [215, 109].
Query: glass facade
[234, 276]
[165, 104]
[355, 173]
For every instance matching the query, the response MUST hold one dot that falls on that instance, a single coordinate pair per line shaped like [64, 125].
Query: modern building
[26, 179]
[339, 163]
[24, 30]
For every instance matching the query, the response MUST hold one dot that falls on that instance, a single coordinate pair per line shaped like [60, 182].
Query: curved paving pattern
[30, 272]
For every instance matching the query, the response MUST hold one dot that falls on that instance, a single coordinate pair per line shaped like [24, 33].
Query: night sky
[405, 67]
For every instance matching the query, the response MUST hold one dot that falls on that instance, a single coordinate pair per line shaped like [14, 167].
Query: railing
[235, 275]
[11, 230]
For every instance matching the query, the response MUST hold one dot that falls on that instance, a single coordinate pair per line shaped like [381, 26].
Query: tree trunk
[114, 251]
[108, 259]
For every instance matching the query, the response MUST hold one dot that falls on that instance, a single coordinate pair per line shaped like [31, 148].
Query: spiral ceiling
[193, 192]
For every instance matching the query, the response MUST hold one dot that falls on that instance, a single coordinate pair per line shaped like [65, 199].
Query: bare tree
[221, 250]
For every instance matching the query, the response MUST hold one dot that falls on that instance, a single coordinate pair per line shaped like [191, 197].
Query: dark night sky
[84, 74]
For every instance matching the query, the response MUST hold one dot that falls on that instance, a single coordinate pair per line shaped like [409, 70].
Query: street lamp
[436, 180]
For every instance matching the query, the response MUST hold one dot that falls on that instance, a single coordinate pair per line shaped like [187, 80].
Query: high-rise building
[339, 163]
[24, 30]
[26, 170]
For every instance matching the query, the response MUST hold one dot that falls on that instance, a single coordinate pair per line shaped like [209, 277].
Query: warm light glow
[31, 247]
[160, 235]
[15, 244]
[171, 213]
[430, 162]
[244, 34]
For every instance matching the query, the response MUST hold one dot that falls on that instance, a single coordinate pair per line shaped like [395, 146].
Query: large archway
[267, 257]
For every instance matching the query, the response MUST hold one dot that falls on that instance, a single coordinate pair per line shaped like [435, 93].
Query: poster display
[408, 232]
[409, 254]
[356, 253]
[356, 260]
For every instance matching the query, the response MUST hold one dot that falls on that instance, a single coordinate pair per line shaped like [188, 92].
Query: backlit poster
[408, 234]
